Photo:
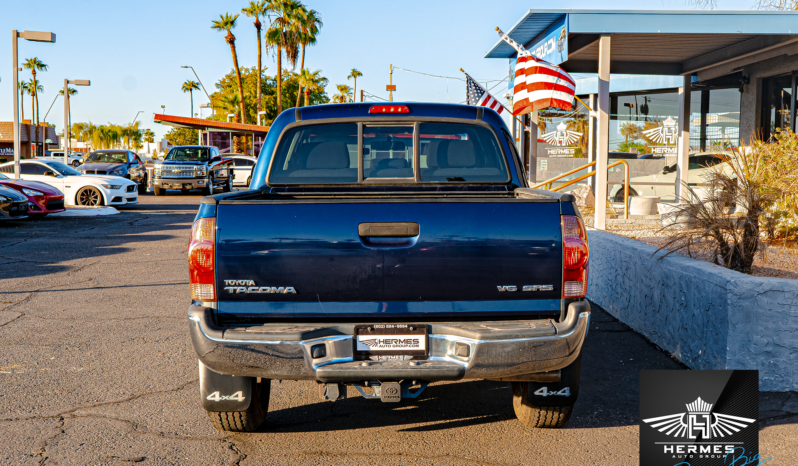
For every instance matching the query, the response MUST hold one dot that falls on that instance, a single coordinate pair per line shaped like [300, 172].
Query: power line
[369, 94]
[486, 81]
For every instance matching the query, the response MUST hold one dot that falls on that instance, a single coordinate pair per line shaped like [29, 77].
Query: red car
[43, 198]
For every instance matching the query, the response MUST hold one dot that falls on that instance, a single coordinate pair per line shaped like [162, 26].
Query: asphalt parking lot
[96, 367]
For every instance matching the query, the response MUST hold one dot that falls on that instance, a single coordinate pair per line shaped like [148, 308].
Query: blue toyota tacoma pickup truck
[386, 247]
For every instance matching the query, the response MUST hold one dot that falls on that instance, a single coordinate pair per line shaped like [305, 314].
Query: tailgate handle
[392, 230]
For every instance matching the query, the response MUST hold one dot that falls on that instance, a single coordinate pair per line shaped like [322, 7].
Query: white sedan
[78, 188]
[242, 168]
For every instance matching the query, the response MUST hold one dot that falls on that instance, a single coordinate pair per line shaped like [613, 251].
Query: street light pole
[213, 111]
[137, 116]
[35, 36]
[67, 129]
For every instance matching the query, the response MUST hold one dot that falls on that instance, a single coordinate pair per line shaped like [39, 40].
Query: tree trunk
[307, 96]
[354, 96]
[232, 41]
[35, 85]
[279, 80]
[191, 94]
[301, 67]
[260, 69]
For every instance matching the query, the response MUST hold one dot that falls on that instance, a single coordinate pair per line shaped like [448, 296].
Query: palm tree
[190, 86]
[309, 24]
[283, 35]
[33, 91]
[354, 75]
[230, 103]
[256, 10]
[24, 88]
[70, 92]
[344, 94]
[34, 65]
[227, 22]
[312, 82]
[149, 137]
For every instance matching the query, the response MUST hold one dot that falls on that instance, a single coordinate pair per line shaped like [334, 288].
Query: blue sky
[132, 51]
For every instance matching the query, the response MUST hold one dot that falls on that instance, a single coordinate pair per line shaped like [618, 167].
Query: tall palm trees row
[291, 28]
[112, 136]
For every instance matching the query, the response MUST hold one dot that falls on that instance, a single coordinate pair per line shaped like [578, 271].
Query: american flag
[477, 95]
[538, 84]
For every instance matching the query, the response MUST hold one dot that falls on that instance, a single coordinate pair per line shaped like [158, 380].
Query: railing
[547, 184]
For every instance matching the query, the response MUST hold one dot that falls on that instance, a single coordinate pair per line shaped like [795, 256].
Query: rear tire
[228, 186]
[541, 417]
[252, 418]
[547, 405]
[158, 191]
[143, 186]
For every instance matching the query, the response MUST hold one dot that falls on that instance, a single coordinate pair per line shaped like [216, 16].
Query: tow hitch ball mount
[387, 392]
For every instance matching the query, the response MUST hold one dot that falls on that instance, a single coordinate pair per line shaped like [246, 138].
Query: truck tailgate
[465, 257]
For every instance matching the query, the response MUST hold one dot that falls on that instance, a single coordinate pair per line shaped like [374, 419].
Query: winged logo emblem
[665, 134]
[371, 343]
[699, 418]
[562, 136]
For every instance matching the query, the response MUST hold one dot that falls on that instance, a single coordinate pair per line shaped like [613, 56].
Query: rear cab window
[407, 152]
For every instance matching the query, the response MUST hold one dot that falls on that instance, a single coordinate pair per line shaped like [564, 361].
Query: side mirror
[49, 173]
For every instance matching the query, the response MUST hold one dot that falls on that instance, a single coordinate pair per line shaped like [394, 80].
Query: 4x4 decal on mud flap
[237, 396]
[544, 391]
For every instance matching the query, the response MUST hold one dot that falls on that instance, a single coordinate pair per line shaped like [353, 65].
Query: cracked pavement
[96, 367]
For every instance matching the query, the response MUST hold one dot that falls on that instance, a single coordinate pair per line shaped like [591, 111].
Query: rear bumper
[495, 350]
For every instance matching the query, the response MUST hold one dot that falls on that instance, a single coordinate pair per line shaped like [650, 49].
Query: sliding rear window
[427, 152]
[317, 154]
[452, 152]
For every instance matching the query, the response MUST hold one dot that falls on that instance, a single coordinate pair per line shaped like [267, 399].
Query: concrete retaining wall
[706, 316]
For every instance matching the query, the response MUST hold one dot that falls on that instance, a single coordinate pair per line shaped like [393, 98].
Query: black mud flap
[562, 393]
[222, 393]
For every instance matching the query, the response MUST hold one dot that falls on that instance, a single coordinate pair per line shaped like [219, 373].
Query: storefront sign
[664, 136]
[552, 45]
[563, 141]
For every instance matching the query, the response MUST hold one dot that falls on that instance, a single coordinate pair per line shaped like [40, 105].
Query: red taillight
[389, 109]
[575, 257]
[202, 260]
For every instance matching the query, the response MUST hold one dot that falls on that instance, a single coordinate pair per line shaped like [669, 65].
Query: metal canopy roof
[208, 125]
[696, 40]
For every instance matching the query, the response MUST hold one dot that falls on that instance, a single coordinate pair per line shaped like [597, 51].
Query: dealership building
[669, 83]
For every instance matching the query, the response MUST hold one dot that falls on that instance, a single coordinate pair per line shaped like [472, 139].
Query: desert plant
[781, 175]
[724, 219]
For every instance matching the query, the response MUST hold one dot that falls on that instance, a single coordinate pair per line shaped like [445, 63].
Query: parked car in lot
[387, 247]
[13, 204]
[78, 188]
[43, 199]
[242, 168]
[58, 155]
[192, 167]
[114, 162]
[699, 166]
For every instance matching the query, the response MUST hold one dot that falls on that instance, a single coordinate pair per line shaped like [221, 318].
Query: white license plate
[392, 339]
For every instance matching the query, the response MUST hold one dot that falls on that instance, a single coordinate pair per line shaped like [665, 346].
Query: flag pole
[522, 51]
[510, 111]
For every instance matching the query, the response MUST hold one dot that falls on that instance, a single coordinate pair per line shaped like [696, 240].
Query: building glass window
[777, 101]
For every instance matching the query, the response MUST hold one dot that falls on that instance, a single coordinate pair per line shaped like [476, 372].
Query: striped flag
[539, 85]
[477, 95]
